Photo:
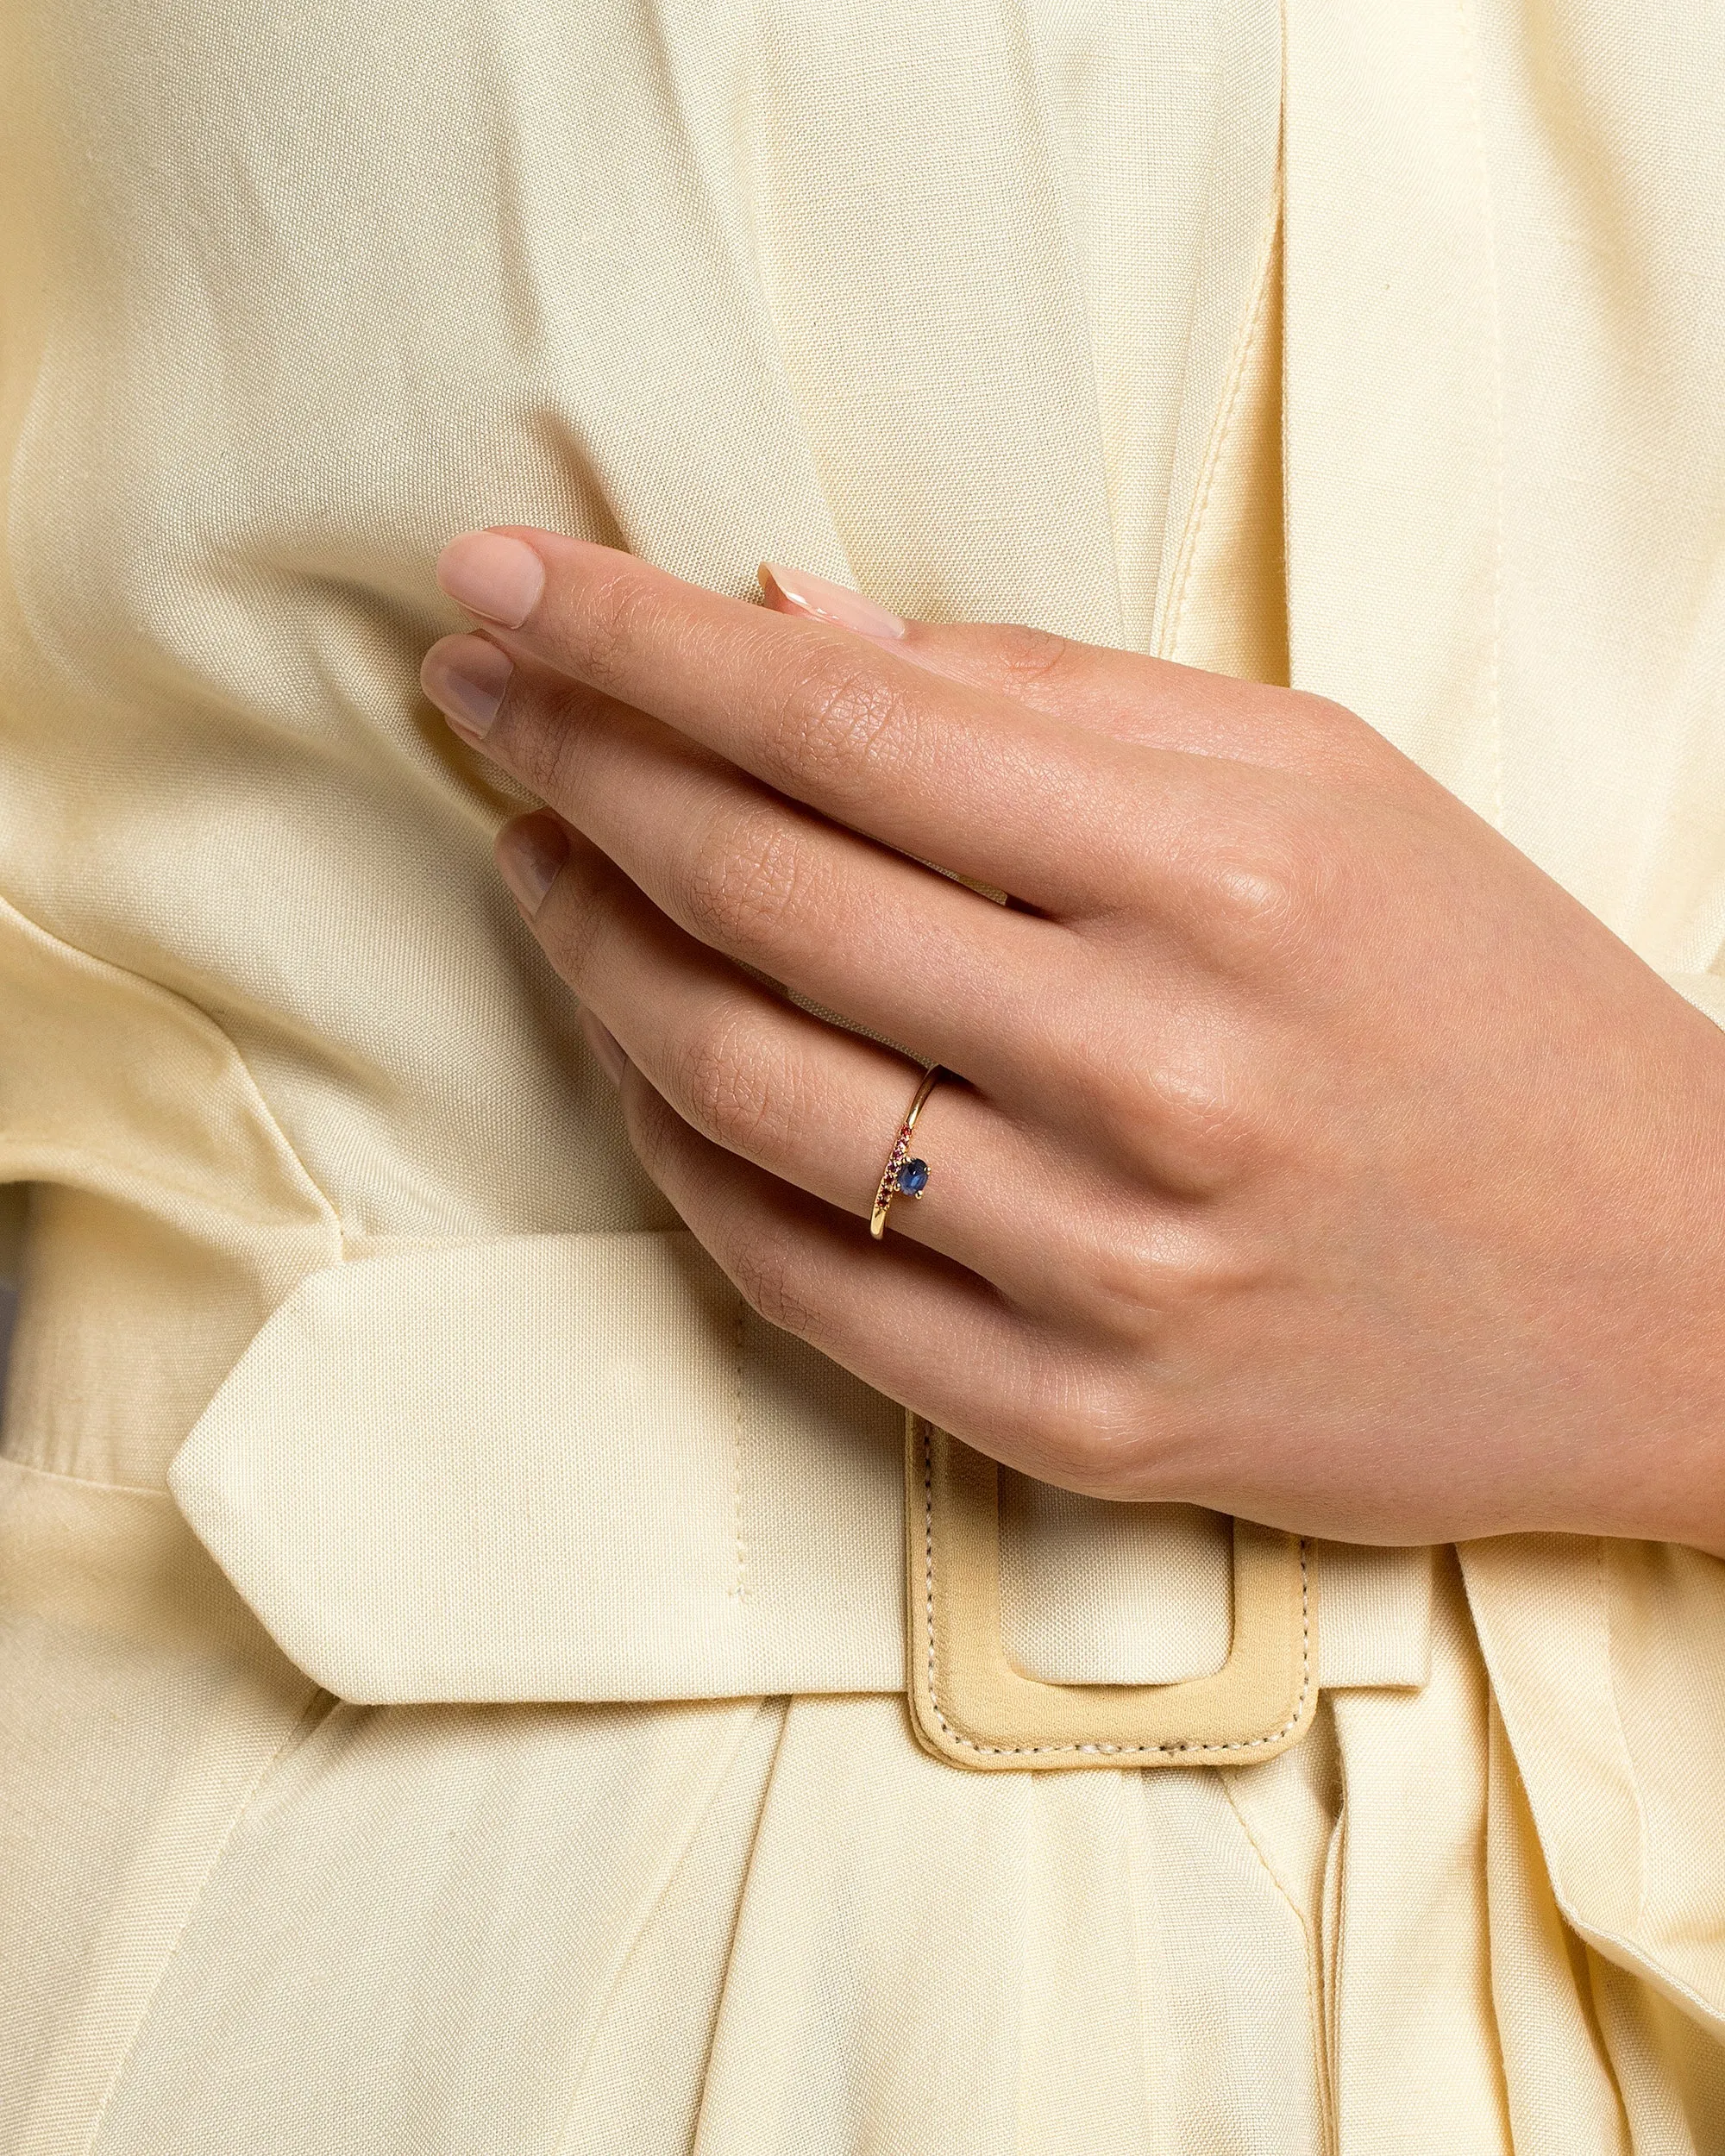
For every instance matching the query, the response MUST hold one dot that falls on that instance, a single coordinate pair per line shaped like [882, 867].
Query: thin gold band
[896, 1159]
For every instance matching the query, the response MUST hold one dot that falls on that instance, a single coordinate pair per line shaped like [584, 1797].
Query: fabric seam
[1632, 1951]
[194, 1902]
[1168, 643]
[784, 1702]
[1603, 1576]
[155, 1492]
[644, 1918]
[1314, 1959]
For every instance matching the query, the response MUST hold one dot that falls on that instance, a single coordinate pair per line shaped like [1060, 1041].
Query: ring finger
[811, 1103]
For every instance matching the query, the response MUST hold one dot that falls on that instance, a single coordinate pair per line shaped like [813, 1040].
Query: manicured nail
[529, 855]
[605, 1047]
[491, 575]
[465, 677]
[821, 601]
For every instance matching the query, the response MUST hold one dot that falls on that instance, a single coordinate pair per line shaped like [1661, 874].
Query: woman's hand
[1316, 1156]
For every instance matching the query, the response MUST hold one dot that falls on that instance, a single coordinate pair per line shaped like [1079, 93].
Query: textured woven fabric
[1384, 355]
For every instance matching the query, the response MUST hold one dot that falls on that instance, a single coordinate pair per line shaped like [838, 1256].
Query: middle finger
[811, 1103]
[891, 946]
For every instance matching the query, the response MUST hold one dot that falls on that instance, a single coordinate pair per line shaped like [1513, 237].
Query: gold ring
[903, 1177]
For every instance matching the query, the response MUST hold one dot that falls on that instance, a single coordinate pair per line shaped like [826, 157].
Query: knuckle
[745, 874]
[1192, 1276]
[1024, 656]
[1258, 902]
[769, 1272]
[1177, 1111]
[724, 1084]
[608, 622]
[1092, 1435]
[541, 738]
[1210, 1131]
[589, 901]
[1328, 741]
[837, 719]
[1346, 732]
[1149, 1278]
[1323, 711]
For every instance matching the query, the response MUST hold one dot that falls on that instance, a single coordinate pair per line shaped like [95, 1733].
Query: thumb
[1050, 673]
[1154, 702]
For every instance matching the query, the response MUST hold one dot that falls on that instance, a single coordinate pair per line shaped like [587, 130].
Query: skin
[1314, 1157]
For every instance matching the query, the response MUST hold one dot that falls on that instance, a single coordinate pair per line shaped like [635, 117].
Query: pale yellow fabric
[989, 317]
[611, 1482]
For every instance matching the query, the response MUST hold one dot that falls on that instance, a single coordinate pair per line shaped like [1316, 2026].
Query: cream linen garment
[495, 1738]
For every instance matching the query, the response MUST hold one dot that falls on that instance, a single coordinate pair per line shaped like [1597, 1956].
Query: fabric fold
[1604, 1657]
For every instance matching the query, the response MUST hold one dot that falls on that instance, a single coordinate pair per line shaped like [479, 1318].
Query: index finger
[983, 786]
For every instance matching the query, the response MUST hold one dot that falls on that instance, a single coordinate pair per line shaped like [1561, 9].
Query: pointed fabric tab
[574, 1466]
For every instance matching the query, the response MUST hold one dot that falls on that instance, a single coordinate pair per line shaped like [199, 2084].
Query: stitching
[737, 1589]
[1140, 1924]
[1169, 642]
[1495, 329]
[1095, 1751]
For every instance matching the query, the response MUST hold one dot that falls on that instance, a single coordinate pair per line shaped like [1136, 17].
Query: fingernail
[529, 855]
[814, 597]
[605, 1047]
[493, 575]
[465, 677]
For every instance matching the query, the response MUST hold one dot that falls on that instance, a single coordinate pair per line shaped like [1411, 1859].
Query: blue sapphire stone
[912, 1175]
